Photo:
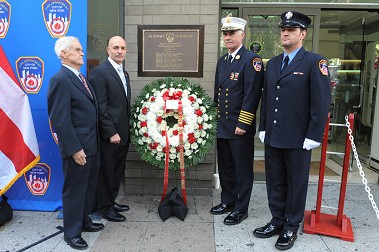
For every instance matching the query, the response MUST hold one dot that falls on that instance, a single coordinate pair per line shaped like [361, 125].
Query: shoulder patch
[323, 66]
[257, 64]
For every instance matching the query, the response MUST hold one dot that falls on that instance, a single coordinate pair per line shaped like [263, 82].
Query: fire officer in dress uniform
[294, 109]
[238, 89]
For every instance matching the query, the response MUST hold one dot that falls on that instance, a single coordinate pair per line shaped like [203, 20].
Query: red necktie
[85, 84]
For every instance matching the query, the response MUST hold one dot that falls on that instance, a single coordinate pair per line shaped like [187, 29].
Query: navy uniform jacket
[238, 89]
[113, 103]
[295, 103]
[73, 114]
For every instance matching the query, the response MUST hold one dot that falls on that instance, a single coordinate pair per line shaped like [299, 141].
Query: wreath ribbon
[181, 155]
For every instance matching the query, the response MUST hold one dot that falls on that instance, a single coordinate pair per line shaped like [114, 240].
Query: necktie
[285, 64]
[230, 58]
[123, 79]
[85, 84]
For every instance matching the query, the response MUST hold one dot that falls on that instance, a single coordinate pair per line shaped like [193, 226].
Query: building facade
[346, 32]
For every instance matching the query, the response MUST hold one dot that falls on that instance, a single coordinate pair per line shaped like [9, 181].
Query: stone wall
[140, 177]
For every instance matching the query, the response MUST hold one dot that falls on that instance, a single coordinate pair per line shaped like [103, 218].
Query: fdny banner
[28, 31]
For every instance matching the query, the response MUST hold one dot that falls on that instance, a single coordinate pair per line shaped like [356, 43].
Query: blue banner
[28, 31]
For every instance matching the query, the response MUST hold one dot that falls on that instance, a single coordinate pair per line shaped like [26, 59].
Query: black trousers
[112, 168]
[235, 167]
[287, 175]
[78, 194]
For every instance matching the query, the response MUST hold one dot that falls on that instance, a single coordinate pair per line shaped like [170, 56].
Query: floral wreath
[153, 124]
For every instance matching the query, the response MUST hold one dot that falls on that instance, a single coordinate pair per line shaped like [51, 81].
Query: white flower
[194, 146]
[205, 117]
[200, 101]
[187, 152]
[199, 140]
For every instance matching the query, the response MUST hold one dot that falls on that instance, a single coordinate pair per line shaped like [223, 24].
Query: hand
[239, 131]
[262, 135]
[80, 157]
[115, 139]
[310, 144]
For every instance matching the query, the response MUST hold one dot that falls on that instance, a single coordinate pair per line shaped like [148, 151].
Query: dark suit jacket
[295, 103]
[114, 106]
[238, 90]
[73, 114]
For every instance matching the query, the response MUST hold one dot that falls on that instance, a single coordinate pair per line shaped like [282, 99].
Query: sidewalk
[201, 231]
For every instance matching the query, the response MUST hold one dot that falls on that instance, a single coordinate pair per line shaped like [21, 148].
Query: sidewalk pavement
[143, 230]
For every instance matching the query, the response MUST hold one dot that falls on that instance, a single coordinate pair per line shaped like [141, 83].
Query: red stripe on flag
[12, 144]
[7, 66]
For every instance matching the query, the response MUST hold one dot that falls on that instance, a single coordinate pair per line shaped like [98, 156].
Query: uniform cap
[233, 24]
[294, 19]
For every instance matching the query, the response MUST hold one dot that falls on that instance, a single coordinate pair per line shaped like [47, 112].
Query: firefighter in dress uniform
[238, 89]
[294, 109]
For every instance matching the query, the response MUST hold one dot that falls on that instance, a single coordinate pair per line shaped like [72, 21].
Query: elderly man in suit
[72, 109]
[295, 104]
[112, 88]
[238, 89]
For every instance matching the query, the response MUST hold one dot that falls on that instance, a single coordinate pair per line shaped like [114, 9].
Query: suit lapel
[294, 63]
[78, 83]
[117, 77]
[231, 66]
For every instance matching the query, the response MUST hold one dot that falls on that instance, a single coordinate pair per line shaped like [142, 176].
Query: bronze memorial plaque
[170, 50]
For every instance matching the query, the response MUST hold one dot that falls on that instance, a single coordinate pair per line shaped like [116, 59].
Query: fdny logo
[257, 64]
[30, 72]
[55, 136]
[57, 16]
[38, 178]
[5, 16]
[323, 65]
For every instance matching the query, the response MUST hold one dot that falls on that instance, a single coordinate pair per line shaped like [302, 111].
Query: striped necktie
[85, 84]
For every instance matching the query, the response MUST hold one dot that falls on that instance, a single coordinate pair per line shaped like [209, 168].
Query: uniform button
[226, 94]
[227, 89]
[274, 121]
[218, 116]
[277, 98]
[226, 101]
[278, 87]
[226, 117]
[218, 93]
[226, 106]
[276, 110]
[219, 89]
[227, 112]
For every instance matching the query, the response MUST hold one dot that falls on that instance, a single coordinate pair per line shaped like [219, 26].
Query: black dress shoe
[286, 240]
[235, 218]
[120, 208]
[95, 227]
[221, 208]
[267, 231]
[112, 215]
[76, 242]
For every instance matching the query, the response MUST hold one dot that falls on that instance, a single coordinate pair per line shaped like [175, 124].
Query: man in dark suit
[238, 89]
[72, 109]
[112, 88]
[294, 109]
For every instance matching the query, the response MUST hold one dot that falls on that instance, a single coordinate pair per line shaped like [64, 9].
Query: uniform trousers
[287, 175]
[113, 159]
[235, 167]
[79, 193]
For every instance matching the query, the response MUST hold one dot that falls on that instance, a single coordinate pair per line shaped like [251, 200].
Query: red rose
[159, 119]
[200, 126]
[191, 140]
[199, 112]
[145, 134]
[143, 124]
[152, 99]
[145, 110]
[191, 98]
[153, 146]
[163, 132]
[175, 132]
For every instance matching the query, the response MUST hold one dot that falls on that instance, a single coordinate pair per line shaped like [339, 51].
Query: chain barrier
[361, 172]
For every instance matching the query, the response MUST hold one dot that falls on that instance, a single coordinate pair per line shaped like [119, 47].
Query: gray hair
[63, 44]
